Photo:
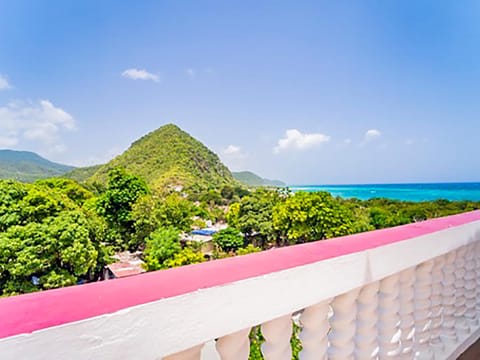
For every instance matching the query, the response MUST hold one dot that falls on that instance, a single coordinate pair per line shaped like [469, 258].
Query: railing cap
[36, 311]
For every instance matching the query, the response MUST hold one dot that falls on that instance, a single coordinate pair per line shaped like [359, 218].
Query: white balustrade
[406, 296]
[477, 275]
[277, 334]
[470, 287]
[449, 333]
[366, 333]
[418, 298]
[234, 346]
[436, 304]
[189, 354]
[343, 326]
[389, 318]
[422, 312]
[315, 327]
[460, 299]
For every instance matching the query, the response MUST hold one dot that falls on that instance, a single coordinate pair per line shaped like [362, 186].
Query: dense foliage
[229, 239]
[169, 156]
[116, 203]
[56, 232]
[46, 239]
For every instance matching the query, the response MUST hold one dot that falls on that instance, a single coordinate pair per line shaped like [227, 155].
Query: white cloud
[190, 73]
[7, 142]
[347, 141]
[140, 74]
[40, 123]
[4, 83]
[409, 142]
[371, 134]
[231, 149]
[234, 157]
[294, 139]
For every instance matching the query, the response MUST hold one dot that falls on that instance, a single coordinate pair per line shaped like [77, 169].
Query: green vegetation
[26, 166]
[169, 157]
[82, 174]
[116, 203]
[250, 179]
[58, 232]
[228, 239]
[161, 246]
[46, 239]
[307, 217]
[55, 232]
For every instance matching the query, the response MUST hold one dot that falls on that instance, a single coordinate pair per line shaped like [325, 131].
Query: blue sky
[310, 92]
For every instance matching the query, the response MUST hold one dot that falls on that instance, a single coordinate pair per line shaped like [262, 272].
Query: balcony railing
[410, 292]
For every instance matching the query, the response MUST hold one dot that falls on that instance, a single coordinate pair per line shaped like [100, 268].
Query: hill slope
[169, 156]
[81, 174]
[251, 179]
[27, 166]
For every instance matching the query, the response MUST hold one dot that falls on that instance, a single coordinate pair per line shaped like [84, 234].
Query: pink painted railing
[407, 292]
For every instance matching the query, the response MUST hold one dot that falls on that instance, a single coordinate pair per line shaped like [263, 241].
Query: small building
[204, 239]
[128, 264]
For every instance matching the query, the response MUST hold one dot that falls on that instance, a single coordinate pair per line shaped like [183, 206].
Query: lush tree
[186, 256]
[70, 188]
[212, 197]
[54, 253]
[229, 239]
[249, 249]
[46, 239]
[312, 216]
[253, 216]
[161, 245]
[152, 211]
[116, 203]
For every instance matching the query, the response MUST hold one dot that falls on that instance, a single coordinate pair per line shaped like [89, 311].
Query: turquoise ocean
[407, 192]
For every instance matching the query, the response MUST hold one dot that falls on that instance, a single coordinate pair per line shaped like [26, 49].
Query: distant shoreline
[459, 191]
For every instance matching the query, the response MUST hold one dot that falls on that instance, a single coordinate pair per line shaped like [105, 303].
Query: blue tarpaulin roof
[204, 232]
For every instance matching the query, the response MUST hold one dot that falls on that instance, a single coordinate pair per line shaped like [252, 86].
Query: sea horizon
[425, 191]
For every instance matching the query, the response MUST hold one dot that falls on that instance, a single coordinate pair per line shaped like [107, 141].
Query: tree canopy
[46, 239]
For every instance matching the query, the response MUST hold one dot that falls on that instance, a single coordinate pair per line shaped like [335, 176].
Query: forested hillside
[251, 179]
[27, 166]
[169, 156]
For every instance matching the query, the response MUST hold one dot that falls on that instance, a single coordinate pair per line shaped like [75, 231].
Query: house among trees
[128, 264]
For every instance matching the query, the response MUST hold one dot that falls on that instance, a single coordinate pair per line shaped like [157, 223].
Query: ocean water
[407, 192]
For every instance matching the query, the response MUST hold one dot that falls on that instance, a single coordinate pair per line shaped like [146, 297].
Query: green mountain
[169, 156]
[82, 174]
[251, 179]
[27, 166]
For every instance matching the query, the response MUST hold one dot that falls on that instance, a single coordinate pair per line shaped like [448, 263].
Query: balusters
[366, 334]
[436, 303]
[449, 333]
[477, 274]
[388, 321]
[414, 314]
[277, 334]
[342, 334]
[189, 354]
[470, 287]
[315, 325]
[422, 313]
[234, 346]
[407, 280]
[460, 299]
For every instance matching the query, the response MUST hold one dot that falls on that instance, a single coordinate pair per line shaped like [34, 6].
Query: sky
[309, 92]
